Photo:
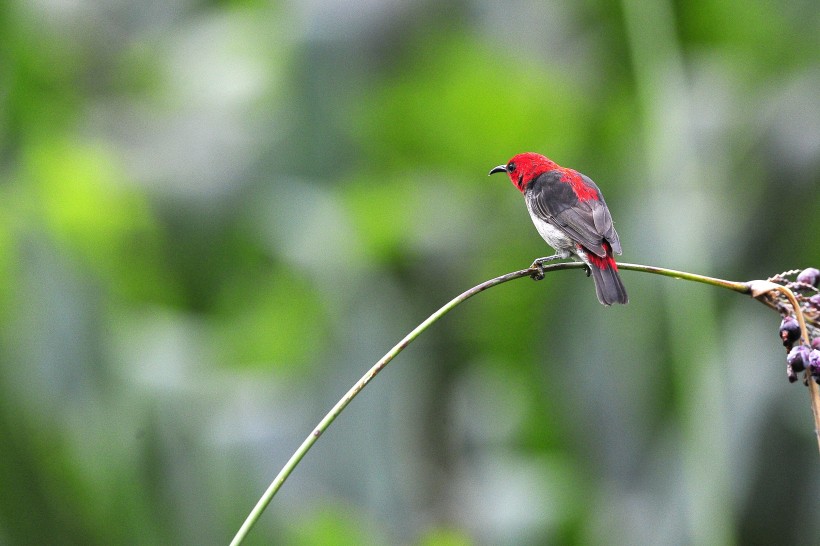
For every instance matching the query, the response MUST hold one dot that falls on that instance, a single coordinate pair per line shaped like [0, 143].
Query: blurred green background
[215, 216]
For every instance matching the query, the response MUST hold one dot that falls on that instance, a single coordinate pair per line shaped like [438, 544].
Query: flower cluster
[801, 357]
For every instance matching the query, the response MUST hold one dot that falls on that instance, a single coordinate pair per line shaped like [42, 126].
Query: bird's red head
[523, 168]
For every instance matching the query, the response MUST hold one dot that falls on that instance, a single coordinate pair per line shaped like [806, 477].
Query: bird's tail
[608, 285]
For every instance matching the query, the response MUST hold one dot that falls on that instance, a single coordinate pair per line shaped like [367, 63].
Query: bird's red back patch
[582, 191]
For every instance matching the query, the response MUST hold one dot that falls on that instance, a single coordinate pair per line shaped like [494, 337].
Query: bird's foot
[587, 269]
[538, 266]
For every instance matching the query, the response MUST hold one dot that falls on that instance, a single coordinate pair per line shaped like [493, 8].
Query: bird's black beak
[499, 169]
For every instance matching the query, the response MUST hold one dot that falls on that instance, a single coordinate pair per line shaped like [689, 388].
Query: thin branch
[753, 288]
[742, 287]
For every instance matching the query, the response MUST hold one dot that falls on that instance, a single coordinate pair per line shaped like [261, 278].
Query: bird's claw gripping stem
[538, 265]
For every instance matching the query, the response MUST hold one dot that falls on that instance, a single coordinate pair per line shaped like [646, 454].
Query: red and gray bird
[570, 213]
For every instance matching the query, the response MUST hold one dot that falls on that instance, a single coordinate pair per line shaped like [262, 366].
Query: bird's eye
[511, 167]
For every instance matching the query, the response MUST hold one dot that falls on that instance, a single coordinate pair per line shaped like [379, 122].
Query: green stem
[744, 288]
[351, 394]
[741, 287]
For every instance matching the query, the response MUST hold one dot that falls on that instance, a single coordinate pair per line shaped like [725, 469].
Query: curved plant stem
[814, 391]
[741, 287]
[348, 397]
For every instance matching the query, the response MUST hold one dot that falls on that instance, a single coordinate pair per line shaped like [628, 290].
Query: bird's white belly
[553, 236]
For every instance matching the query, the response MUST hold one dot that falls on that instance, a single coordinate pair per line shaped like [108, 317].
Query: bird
[570, 214]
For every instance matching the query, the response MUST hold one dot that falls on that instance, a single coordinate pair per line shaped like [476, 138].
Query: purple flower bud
[810, 276]
[798, 358]
[813, 362]
[789, 331]
[815, 343]
[814, 301]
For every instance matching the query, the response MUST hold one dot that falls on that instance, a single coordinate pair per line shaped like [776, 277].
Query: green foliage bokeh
[215, 216]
